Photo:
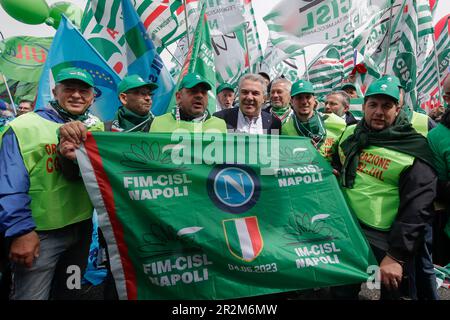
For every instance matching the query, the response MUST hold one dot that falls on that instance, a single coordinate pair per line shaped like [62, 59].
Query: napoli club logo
[233, 189]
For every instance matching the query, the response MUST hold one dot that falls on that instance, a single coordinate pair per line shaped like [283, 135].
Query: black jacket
[350, 119]
[271, 125]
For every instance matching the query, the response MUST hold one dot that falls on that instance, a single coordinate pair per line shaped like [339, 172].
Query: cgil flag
[62, 54]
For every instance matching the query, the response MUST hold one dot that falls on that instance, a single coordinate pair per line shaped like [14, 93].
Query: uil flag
[70, 49]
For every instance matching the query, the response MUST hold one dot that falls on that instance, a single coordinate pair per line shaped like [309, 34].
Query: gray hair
[282, 80]
[256, 78]
[345, 97]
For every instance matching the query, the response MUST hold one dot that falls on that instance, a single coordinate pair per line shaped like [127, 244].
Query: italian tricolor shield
[243, 238]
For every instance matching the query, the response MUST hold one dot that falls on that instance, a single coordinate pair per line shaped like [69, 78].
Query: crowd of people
[392, 164]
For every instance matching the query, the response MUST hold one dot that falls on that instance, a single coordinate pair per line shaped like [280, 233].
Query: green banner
[212, 216]
[23, 58]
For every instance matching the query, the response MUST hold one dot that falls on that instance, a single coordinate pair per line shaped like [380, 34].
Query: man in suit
[248, 117]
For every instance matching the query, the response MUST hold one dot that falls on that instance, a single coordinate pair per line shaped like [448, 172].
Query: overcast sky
[10, 27]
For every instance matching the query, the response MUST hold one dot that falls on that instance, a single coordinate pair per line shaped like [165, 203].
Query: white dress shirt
[247, 125]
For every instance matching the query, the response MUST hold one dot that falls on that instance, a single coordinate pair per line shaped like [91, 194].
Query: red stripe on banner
[255, 235]
[348, 63]
[155, 14]
[108, 198]
[181, 8]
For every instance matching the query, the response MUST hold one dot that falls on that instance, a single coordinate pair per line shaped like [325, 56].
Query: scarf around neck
[401, 137]
[130, 121]
[314, 128]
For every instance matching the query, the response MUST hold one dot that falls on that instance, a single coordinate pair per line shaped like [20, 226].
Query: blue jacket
[15, 213]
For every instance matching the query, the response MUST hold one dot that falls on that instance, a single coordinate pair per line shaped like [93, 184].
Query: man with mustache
[389, 183]
[191, 112]
[248, 117]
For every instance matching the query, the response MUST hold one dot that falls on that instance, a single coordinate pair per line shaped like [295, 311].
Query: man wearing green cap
[280, 99]
[421, 122]
[225, 96]
[46, 218]
[389, 183]
[350, 89]
[191, 111]
[323, 129]
[133, 115]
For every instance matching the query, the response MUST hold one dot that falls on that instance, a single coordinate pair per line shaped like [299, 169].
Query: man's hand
[391, 273]
[74, 132]
[67, 150]
[25, 249]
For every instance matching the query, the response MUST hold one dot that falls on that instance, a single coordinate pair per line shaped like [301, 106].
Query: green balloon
[26, 11]
[71, 11]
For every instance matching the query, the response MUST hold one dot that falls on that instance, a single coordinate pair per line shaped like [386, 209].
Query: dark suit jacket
[269, 122]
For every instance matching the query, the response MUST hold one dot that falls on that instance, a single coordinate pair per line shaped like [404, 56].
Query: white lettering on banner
[179, 190]
[305, 179]
[319, 253]
[156, 271]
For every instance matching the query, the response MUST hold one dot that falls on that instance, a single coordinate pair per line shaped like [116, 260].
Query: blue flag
[70, 49]
[144, 60]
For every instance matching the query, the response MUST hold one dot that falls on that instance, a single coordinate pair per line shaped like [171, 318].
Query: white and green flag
[255, 54]
[326, 71]
[302, 23]
[428, 81]
[224, 17]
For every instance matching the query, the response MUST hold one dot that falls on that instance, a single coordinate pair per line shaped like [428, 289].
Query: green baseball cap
[135, 81]
[348, 84]
[383, 86]
[192, 79]
[302, 86]
[224, 86]
[393, 79]
[74, 74]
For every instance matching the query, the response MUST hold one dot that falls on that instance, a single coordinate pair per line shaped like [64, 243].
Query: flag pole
[246, 46]
[186, 21]
[179, 63]
[436, 61]
[388, 41]
[306, 66]
[7, 87]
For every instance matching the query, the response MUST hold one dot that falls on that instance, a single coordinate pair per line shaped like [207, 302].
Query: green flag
[200, 59]
[23, 58]
[215, 216]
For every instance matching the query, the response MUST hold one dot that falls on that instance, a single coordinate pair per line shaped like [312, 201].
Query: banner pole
[388, 41]
[306, 66]
[186, 21]
[246, 46]
[179, 63]
[436, 61]
[7, 87]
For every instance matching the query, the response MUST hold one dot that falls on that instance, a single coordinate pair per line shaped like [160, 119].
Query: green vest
[166, 123]
[375, 195]
[419, 122]
[55, 201]
[334, 126]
